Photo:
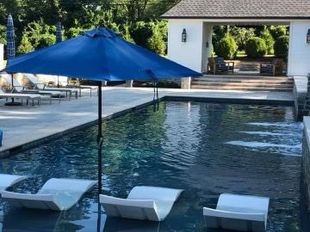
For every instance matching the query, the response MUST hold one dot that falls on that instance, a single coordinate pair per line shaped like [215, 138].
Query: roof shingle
[269, 9]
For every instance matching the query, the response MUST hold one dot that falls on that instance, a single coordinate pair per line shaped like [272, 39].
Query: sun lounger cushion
[55, 194]
[238, 212]
[143, 203]
[7, 180]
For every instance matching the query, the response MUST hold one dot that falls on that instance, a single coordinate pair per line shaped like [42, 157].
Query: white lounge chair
[55, 194]
[42, 86]
[27, 97]
[143, 203]
[7, 180]
[19, 88]
[238, 212]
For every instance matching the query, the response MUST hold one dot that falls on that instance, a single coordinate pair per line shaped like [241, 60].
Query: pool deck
[26, 126]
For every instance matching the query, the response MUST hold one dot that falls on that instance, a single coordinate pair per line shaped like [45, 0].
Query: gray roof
[225, 9]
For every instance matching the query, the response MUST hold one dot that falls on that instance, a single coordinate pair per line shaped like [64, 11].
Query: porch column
[299, 49]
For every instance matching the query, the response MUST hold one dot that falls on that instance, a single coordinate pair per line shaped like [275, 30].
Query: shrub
[156, 42]
[256, 47]
[281, 46]
[125, 32]
[227, 47]
[266, 35]
[39, 34]
[278, 31]
[25, 45]
[242, 35]
[141, 32]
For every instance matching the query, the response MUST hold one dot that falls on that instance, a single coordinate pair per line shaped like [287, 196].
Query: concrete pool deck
[25, 126]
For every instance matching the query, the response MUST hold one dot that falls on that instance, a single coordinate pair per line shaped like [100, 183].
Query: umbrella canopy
[99, 54]
[58, 32]
[10, 40]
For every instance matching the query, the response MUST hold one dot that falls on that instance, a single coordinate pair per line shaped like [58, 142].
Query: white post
[129, 83]
[186, 83]
[299, 49]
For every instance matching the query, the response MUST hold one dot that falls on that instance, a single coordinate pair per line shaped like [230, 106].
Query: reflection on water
[206, 149]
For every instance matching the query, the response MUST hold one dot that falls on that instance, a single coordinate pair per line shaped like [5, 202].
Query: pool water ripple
[204, 148]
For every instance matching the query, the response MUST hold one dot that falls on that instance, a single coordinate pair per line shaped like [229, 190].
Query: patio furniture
[7, 180]
[21, 96]
[274, 68]
[41, 86]
[219, 65]
[142, 203]
[20, 88]
[238, 212]
[56, 194]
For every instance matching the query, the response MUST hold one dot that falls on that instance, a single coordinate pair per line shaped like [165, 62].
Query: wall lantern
[308, 36]
[184, 36]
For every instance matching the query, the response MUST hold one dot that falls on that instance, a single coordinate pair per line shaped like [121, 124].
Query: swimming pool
[204, 148]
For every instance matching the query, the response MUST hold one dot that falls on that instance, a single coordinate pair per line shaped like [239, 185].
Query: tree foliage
[126, 17]
[281, 46]
[256, 47]
[227, 47]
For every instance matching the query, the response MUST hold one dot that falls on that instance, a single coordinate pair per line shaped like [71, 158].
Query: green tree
[242, 35]
[25, 45]
[40, 34]
[227, 47]
[156, 42]
[281, 46]
[278, 31]
[256, 47]
[266, 35]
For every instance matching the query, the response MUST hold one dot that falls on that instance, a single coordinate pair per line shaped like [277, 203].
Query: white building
[196, 18]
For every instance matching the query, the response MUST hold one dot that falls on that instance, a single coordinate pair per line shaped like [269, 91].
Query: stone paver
[24, 124]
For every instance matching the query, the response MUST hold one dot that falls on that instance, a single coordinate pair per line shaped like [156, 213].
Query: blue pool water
[204, 148]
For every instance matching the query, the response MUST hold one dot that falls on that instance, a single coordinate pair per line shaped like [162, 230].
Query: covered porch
[190, 30]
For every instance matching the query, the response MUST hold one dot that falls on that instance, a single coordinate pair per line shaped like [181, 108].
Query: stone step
[215, 83]
[252, 88]
[246, 82]
[201, 80]
[241, 77]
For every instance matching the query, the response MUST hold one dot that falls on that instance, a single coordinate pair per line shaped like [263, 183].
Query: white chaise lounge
[238, 212]
[19, 88]
[55, 194]
[27, 97]
[39, 85]
[7, 180]
[142, 203]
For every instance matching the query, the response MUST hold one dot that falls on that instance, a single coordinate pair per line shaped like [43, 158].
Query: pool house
[191, 26]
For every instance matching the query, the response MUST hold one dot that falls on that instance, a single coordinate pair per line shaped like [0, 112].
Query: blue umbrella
[58, 40]
[10, 38]
[99, 55]
[10, 49]
[58, 32]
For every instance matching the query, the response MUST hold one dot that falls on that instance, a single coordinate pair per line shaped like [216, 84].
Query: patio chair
[7, 180]
[55, 194]
[41, 86]
[142, 203]
[238, 212]
[219, 65]
[274, 68]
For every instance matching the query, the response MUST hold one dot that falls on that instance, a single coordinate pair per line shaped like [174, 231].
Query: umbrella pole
[99, 137]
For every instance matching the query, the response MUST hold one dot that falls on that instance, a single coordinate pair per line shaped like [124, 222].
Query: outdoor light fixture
[308, 36]
[184, 36]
